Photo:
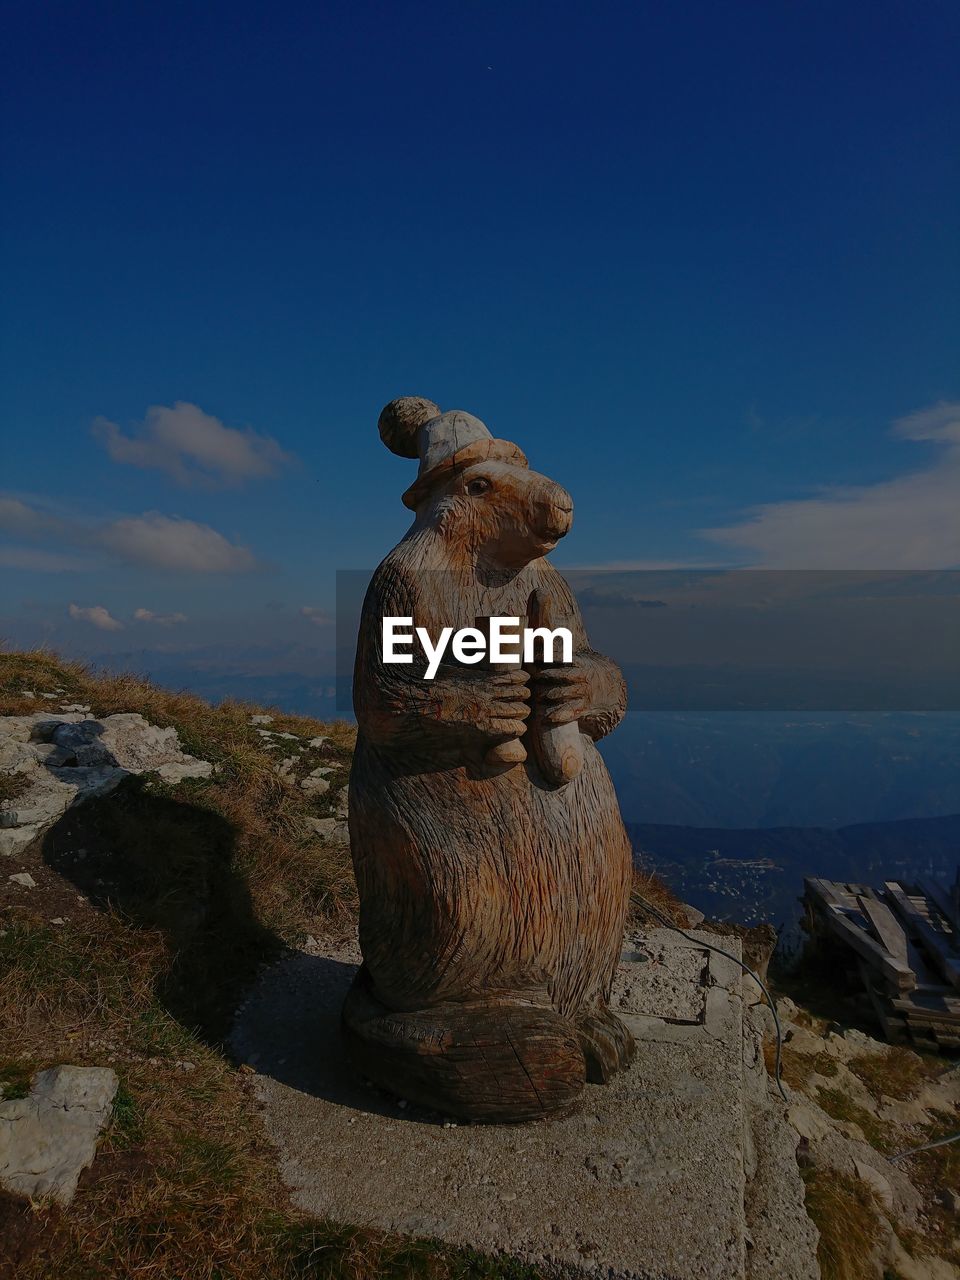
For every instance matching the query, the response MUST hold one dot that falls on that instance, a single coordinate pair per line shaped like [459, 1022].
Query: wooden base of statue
[502, 1060]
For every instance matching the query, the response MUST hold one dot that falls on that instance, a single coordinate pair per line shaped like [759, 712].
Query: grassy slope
[843, 1208]
[178, 896]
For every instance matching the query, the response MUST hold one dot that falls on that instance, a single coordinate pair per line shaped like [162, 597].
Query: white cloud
[96, 615]
[159, 619]
[909, 522]
[151, 539]
[165, 542]
[20, 518]
[36, 561]
[192, 446]
[316, 616]
[940, 422]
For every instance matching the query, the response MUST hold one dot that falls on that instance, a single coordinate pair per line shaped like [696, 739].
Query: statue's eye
[477, 486]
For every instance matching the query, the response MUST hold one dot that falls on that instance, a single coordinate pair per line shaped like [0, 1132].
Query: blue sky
[699, 260]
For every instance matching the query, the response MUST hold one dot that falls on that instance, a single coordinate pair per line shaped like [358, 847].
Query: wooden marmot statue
[494, 872]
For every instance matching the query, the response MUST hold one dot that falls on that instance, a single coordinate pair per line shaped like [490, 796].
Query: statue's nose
[560, 513]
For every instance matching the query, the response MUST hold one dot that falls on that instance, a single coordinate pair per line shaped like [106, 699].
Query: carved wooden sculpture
[490, 855]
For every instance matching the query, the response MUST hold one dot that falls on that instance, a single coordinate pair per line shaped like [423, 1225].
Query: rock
[315, 783]
[69, 758]
[51, 755]
[179, 771]
[141, 747]
[48, 1138]
[950, 1199]
[761, 1017]
[877, 1183]
[84, 743]
[908, 1267]
[333, 829]
[751, 991]
[285, 767]
[809, 1121]
[943, 1093]
[906, 1113]
[786, 1009]
[319, 742]
[801, 1040]
[850, 1043]
[24, 878]
[783, 1239]
[75, 706]
[847, 1129]
[694, 916]
[261, 719]
[11, 842]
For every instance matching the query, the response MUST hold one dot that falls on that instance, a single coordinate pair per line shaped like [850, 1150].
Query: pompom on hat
[444, 442]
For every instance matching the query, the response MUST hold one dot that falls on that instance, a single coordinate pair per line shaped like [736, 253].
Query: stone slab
[646, 1180]
[48, 1138]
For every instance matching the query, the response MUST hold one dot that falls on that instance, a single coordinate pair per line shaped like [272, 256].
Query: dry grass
[331, 1252]
[796, 1069]
[291, 875]
[845, 1213]
[179, 896]
[931, 1172]
[12, 785]
[840, 1106]
[896, 1073]
[648, 886]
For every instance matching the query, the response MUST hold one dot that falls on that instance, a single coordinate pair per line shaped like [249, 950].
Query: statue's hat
[444, 442]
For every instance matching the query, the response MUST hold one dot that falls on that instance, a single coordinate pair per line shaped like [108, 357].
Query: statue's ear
[401, 420]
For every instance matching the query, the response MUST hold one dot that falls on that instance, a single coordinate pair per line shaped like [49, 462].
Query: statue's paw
[606, 1043]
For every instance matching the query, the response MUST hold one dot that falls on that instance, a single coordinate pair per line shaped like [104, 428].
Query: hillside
[150, 912]
[134, 926]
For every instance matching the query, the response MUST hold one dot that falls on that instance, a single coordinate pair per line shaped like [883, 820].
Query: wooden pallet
[904, 943]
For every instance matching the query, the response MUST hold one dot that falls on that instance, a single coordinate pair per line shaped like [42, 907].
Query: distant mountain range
[735, 809]
[749, 874]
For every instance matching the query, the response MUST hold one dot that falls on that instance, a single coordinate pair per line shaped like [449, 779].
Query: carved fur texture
[493, 900]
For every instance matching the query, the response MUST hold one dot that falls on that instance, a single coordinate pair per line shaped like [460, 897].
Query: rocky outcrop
[59, 760]
[48, 1138]
[830, 1115]
[782, 1239]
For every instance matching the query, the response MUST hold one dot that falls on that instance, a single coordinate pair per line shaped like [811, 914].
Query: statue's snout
[557, 508]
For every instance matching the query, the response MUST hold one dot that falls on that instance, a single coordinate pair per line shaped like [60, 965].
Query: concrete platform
[646, 1180]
